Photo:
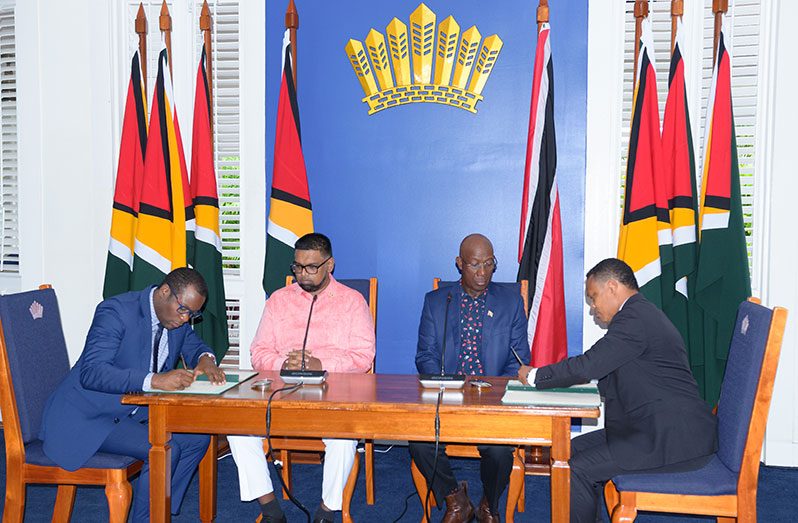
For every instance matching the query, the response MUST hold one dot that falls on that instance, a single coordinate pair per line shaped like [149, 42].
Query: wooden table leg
[207, 482]
[560, 470]
[160, 469]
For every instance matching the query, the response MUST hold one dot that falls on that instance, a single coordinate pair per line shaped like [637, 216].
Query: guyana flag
[723, 281]
[204, 242]
[129, 175]
[645, 228]
[290, 214]
[165, 204]
[678, 301]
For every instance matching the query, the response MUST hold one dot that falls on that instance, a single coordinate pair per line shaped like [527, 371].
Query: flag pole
[165, 24]
[543, 13]
[141, 30]
[641, 12]
[677, 10]
[292, 24]
[719, 8]
[205, 27]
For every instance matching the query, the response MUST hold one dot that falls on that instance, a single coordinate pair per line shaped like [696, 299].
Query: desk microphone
[302, 375]
[443, 381]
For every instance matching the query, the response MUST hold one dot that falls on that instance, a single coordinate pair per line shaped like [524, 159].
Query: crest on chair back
[36, 310]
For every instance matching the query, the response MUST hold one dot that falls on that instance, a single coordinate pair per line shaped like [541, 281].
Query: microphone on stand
[312, 377]
[443, 381]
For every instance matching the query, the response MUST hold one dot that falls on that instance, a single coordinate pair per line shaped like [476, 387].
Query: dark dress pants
[495, 466]
[592, 466]
[131, 438]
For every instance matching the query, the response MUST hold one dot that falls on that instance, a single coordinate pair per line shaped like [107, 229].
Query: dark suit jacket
[84, 409]
[653, 413]
[504, 328]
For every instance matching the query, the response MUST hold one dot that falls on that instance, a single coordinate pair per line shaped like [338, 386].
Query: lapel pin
[490, 314]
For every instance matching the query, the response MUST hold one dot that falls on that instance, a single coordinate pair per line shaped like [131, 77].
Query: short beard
[309, 287]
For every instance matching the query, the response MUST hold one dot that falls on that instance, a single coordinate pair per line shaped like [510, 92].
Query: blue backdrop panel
[398, 190]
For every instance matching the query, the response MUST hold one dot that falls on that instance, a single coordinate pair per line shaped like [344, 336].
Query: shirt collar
[153, 317]
[480, 297]
[330, 290]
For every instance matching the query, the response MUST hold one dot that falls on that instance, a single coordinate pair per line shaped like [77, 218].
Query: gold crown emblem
[397, 88]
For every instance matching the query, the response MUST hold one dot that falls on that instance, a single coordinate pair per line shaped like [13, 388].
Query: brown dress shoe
[484, 515]
[458, 507]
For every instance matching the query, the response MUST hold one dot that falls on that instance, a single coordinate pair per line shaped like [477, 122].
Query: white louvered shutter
[9, 186]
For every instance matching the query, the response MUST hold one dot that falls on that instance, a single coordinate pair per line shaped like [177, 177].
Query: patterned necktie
[156, 345]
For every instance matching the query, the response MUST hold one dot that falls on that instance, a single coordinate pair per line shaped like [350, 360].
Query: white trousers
[255, 481]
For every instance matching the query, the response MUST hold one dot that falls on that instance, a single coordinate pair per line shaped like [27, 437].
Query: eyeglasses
[310, 268]
[182, 309]
[488, 265]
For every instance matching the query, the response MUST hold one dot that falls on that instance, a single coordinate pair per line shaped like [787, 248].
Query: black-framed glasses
[311, 268]
[182, 309]
[488, 265]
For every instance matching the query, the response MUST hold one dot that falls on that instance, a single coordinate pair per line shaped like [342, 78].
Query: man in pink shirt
[340, 338]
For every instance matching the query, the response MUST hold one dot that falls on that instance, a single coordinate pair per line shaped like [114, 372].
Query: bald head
[476, 263]
[473, 242]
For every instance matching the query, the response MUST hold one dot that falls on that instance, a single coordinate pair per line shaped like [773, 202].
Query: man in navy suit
[655, 420]
[126, 351]
[486, 321]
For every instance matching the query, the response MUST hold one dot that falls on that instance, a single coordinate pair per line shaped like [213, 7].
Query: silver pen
[517, 356]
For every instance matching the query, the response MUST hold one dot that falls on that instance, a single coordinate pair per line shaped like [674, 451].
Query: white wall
[780, 252]
[66, 154]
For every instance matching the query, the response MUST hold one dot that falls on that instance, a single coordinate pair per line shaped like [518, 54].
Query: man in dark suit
[126, 351]
[486, 321]
[655, 420]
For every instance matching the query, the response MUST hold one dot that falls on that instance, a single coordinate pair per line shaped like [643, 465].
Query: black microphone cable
[435, 460]
[291, 497]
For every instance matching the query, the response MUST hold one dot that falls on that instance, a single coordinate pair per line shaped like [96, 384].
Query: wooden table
[371, 406]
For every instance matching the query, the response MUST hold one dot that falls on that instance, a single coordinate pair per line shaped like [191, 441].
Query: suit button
[116, 420]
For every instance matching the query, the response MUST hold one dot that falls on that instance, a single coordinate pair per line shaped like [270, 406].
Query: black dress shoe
[324, 516]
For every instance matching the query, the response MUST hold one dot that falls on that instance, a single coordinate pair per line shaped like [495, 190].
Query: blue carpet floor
[777, 498]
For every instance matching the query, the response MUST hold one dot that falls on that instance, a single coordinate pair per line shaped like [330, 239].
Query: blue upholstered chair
[33, 361]
[515, 490]
[726, 486]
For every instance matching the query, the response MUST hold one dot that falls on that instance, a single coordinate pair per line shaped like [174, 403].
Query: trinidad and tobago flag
[290, 214]
[645, 228]
[204, 242]
[540, 242]
[723, 280]
[165, 205]
[129, 175]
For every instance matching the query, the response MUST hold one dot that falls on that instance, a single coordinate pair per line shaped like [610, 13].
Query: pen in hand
[517, 356]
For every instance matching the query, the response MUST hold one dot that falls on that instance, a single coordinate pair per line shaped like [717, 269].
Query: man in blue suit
[486, 322]
[126, 351]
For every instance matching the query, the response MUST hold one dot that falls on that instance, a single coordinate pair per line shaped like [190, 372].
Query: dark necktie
[155, 346]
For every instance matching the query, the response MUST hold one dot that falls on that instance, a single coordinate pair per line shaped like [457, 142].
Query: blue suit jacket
[504, 326]
[85, 407]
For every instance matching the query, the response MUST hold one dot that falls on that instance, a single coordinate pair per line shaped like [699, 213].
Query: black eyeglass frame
[182, 309]
[297, 267]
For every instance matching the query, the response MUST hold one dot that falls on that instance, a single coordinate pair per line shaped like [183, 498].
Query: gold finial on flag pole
[165, 24]
[641, 12]
[543, 13]
[205, 27]
[292, 24]
[677, 10]
[719, 8]
[141, 30]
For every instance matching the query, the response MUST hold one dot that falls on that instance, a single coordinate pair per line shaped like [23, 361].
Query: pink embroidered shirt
[341, 331]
